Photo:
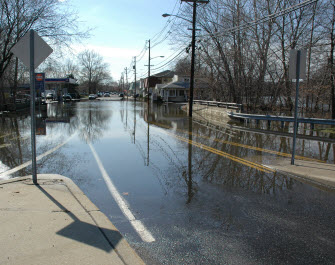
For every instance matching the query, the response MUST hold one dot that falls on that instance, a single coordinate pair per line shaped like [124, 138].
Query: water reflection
[54, 125]
[13, 140]
[180, 153]
[92, 121]
[213, 168]
[191, 187]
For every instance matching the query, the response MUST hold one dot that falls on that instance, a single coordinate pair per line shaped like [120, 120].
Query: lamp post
[190, 108]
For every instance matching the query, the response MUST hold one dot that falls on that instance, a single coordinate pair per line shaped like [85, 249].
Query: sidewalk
[309, 171]
[55, 223]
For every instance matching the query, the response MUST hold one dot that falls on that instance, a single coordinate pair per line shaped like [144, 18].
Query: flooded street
[181, 191]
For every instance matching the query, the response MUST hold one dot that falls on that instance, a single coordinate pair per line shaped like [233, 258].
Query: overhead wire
[174, 58]
[261, 20]
[157, 35]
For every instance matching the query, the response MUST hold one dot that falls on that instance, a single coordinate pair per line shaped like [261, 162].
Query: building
[60, 86]
[159, 78]
[178, 89]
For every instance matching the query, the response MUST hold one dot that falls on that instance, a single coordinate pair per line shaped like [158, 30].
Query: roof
[178, 84]
[167, 73]
[60, 80]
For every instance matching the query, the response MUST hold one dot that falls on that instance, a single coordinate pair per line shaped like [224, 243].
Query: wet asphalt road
[204, 197]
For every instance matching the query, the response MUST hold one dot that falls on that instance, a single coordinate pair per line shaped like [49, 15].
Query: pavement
[55, 223]
[315, 173]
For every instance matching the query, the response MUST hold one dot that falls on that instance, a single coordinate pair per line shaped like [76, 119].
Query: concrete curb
[108, 231]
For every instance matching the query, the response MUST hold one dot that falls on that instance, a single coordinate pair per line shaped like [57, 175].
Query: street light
[170, 15]
[190, 103]
[195, 2]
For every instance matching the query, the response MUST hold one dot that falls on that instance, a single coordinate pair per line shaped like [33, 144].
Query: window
[181, 93]
[172, 93]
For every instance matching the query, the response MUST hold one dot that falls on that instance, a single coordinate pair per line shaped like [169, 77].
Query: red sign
[39, 77]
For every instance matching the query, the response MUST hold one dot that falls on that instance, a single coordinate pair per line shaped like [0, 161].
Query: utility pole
[134, 67]
[190, 108]
[127, 87]
[121, 83]
[148, 73]
[126, 69]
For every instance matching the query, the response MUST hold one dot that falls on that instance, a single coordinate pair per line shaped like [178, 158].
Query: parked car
[74, 95]
[49, 96]
[92, 96]
[67, 97]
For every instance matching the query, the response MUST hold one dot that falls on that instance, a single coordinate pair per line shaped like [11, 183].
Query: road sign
[32, 50]
[297, 72]
[293, 64]
[41, 50]
[39, 77]
[40, 83]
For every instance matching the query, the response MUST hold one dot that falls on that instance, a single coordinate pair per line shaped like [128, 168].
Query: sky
[121, 29]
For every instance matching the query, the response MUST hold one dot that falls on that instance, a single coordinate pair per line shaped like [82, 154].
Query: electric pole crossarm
[197, 1]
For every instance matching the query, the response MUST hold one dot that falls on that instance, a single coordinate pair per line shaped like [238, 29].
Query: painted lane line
[144, 234]
[229, 156]
[28, 163]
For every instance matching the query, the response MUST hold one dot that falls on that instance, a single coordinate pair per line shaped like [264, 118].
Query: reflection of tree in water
[219, 170]
[92, 121]
[14, 149]
[174, 174]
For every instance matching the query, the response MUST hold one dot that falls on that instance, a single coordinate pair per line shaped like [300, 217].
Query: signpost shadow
[86, 233]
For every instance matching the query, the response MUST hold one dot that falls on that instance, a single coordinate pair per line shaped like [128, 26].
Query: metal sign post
[297, 72]
[32, 50]
[32, 106]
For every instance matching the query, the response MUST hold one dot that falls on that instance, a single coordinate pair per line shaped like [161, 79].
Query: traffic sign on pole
[41, 50]
[32, 50]
[297, 71]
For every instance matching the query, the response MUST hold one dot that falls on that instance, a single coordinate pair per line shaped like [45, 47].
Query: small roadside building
[131, 91]
[60, 86]
[174, 91]
[159, 78]
[178, 89]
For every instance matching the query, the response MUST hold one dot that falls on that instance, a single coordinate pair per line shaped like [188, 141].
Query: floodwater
[202, 192]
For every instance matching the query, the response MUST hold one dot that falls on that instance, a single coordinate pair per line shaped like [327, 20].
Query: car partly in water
[50, 96]
[67, 97]
[92, 96]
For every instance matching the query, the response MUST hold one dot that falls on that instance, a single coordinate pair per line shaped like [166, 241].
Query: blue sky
[120, 29]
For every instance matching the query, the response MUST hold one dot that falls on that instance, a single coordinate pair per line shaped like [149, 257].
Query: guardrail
[219, 104]
[282, 119]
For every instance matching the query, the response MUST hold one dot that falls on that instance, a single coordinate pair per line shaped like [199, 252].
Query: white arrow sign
[22, 50]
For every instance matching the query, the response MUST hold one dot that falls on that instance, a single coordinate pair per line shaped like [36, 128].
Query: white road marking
[137, 225]
[5, 174]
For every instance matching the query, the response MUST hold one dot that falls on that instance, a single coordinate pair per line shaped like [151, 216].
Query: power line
[177, 56]
[157, 35]
[262, 20]
[167, 58]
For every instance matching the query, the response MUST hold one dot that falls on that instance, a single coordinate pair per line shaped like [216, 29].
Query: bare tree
[50, 18]
[93, 70]
[245, 47]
